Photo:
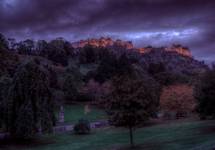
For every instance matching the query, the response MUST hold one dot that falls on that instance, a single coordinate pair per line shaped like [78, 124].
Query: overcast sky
[145, 22]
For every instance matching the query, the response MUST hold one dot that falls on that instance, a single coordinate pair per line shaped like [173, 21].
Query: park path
[63, 128]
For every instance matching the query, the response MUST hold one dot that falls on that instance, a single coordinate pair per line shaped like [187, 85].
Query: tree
[12, 44]
[30, 102]
[168, 78]
[26, 47]
[8, 62]
[111, 66]
[56, 51]
[155, 68]
[3, 42]
[70, 89]
[87, 55]
[92, 89]
[70, 51]
[177, 99]
[72, 83]
[96, 91]
[205, 93]
[42, 47]
[132, 102]
[106, 68]
[5, 82]
[165, 77]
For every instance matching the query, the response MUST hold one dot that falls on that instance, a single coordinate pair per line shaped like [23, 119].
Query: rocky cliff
[110, 43]
[184, 51]
[103, 42]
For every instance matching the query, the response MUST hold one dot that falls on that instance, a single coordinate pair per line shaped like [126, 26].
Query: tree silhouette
[132, 102]
[30, 102]
[205, 93]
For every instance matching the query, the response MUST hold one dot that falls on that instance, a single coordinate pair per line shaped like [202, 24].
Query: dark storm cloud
[156, 22]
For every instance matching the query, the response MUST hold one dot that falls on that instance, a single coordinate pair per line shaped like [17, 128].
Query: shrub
[82, 127]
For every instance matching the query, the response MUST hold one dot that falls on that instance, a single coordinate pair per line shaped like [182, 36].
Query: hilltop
[128, 45]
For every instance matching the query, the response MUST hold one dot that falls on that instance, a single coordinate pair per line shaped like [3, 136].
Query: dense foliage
[30, 103]
[177, 100]
[132, 101]
[5, 83]
[205, 94]
[3, 42]
[72, 83]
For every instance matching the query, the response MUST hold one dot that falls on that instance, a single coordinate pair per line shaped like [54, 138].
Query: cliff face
[109, 43]
[180, 50]
[103, 42]
[184, 51]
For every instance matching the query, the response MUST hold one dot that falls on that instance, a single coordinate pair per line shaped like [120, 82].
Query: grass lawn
[75, 112]
[184, 135]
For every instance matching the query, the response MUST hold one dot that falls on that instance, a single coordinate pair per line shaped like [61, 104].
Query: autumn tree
[30, 102]
[177, 99]
[132, 102]
[205, 94]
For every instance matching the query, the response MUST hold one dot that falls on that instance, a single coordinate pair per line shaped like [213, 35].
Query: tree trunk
[131, 136]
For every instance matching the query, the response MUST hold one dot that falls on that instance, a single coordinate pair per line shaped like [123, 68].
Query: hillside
[175, 60]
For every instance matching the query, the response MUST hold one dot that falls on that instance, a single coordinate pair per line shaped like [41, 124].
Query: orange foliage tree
[178, 99]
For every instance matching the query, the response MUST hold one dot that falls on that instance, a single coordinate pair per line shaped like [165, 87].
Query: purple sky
[145, 22]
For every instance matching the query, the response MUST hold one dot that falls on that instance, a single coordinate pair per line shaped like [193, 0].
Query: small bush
[82, 127]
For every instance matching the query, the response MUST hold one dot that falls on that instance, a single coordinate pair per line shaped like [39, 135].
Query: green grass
[189, 135]
[75, 112]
